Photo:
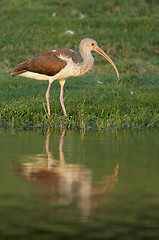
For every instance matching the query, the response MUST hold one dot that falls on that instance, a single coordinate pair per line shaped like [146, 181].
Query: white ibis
[61, 64]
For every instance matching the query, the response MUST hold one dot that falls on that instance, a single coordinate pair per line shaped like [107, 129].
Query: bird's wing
[69, 53]
[45, 63]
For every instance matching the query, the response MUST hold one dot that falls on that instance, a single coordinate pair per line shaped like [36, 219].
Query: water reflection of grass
[127, 32]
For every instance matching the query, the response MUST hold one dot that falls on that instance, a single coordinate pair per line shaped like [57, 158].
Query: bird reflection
[66, 181]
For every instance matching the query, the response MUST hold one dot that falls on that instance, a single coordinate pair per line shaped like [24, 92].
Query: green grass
[128, 31]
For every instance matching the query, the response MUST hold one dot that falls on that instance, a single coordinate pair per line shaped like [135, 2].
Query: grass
[127, 31]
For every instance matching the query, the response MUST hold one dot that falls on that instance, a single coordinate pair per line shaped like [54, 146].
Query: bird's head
[91, 45]
[88, 43]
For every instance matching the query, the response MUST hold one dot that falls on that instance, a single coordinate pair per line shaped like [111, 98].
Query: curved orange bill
[102, 53]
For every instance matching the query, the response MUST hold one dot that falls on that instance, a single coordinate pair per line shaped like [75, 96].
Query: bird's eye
[92, 44]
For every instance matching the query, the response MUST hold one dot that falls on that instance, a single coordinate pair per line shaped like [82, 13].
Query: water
[76, 185]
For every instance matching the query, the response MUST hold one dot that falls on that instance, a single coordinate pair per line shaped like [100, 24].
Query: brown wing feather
[76, 58]
[45, 63]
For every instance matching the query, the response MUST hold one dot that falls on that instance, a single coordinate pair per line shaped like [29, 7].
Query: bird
[60, 64]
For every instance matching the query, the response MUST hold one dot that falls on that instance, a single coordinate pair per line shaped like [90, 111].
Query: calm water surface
[76, 185]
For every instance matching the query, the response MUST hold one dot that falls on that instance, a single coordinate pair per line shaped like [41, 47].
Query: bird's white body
[71, 69]
[34, 75]
[61, 64]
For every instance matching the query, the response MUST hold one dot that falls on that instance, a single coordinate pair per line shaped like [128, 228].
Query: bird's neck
[88, 61]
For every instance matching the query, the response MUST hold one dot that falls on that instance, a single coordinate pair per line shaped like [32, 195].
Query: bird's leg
[47, 98]
[61, 97]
